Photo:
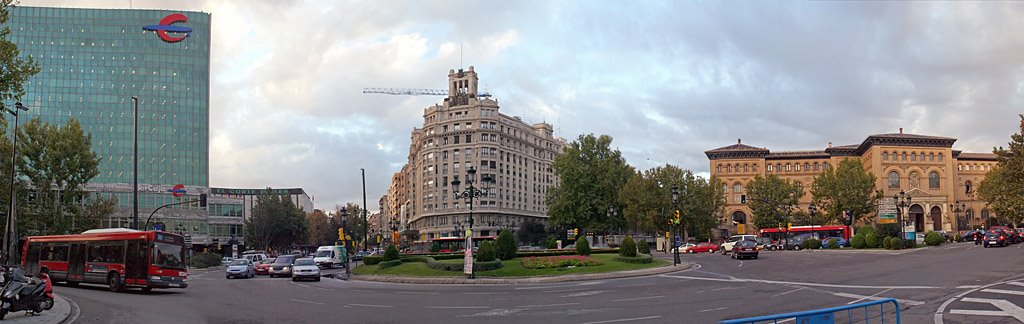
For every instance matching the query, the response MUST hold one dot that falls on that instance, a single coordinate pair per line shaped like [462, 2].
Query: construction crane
[414, 92]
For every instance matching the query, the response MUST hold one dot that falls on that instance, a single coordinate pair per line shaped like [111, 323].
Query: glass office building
[92, 62]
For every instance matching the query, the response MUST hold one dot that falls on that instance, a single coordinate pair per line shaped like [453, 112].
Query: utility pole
[365, 223]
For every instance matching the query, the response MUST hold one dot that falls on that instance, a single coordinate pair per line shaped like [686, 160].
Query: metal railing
[828, 315]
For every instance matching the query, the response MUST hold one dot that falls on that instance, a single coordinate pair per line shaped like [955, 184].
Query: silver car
[305, 268]
[242, 268]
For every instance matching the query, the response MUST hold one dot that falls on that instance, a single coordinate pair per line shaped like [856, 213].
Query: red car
[701, 247]
[745, 249]
[263, 267]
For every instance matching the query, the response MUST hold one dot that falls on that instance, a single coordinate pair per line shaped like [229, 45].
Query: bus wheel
[114, 281]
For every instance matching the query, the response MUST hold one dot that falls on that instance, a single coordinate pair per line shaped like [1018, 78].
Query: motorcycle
[22, 293]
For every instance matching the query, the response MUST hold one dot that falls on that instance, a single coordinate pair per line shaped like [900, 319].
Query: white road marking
[791, 291]
[486, 293]
[713, 309]
[302, 285]
[638, 298]
[370, 305]
[364, 290]
[324, 289]
[549, 305]
[584, 293]
[1008, 308]
[416, 292]
[799, 283]
[306, 301]
[636, 285]
[725, 288]
[1015, 283]
[862, 297]
[967, 286]
[565, 290]
[625, 320]
[876, 294]
[458, 307]
[1002, 291]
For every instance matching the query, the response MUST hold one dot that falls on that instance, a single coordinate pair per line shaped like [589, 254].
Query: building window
[967, 187]
[815, 166]
[913, 156]
[940, 157]
[719, 168]
[904, 156]
[807, 166]
[984, 213]
[746, 168]
[728, 168]
[797, 167]
[755, 167]
[931, 157]
[894, 179]
[885, 156]
[933, 180]
[737, 190]
[769, 168]
[788, 167]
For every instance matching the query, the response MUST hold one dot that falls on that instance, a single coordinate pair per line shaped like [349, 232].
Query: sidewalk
[527, 280]
[60, 312]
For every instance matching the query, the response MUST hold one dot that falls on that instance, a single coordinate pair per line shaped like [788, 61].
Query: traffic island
[516, 271]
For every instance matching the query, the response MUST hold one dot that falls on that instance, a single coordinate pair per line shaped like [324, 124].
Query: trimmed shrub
[857, 242]
[628, 247]
[451, 256]
[552, 243]
[506, 245]
[558, 262]
[887, 242]
[866, 229]
[642, 258]
[417, 258]
[486, 252]
[391, 253]
[812, 243]
[642, 247]
[871, 240]
[372, 260]
[444, 266]
[435, 247]
[833, 243]
[933, 238]
[582, 247]
[485, 265]
[388, 264]
[898, 244]
[885, 230]
[205, 260]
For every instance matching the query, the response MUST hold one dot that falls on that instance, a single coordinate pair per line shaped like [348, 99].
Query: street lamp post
[902, 201]
[11, 230]
[470, 193]
[958, 208]
[676, 215]
[813, 210]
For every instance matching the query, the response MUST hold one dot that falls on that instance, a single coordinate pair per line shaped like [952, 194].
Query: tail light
[1002, 237]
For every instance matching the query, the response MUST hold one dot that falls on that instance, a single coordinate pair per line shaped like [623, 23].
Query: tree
[1002, 187]
[353, 223]
[14, 71]
[772, 200]
[648, 200]
[506, 245]
[846, 187]
[531, 232]
[590, 174]
[276, 223]
[321, 231]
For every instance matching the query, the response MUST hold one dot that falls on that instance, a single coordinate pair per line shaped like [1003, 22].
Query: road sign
[887, 219]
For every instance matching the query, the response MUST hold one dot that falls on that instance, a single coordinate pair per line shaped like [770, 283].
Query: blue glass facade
[93, 61]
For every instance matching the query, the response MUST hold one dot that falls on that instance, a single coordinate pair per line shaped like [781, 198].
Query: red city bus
[117, 257]
[822, 232]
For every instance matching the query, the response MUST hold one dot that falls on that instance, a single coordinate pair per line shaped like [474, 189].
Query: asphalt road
[954, 283]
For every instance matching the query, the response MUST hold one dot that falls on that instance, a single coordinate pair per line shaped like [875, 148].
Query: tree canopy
[772, 200]
[321, 231]
[276, 223]
[590, 175]
[648, 200]
[1003, 187]
[846, 187]
[14, 70]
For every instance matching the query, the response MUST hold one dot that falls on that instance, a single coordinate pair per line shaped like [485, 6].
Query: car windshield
[239, 262]
[168, 255]
[324, 253]
[284, 259]
[304, 262]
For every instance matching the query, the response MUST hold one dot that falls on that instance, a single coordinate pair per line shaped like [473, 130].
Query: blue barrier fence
[828, 315]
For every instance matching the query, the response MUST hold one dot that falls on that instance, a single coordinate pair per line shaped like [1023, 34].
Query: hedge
[486, 251]
[812, 243]
[372, 260]
[857, 242]
[627, 248]
[833, 243]
[640, 258]
[871, 240]
[391, 263]
[391, 253]
[205, 260]
[486, 265]
[505, 246]
[933, 238]
[582, 247]
[887, 242]
[643, 247]
[418, 258]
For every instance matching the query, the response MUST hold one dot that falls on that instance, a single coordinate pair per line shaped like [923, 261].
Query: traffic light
[676, 214]
[789, 226]
[575, 232]
[202, 200]
[341, 234]
[743, 199]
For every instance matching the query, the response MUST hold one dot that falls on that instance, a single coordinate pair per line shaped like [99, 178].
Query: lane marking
[855, 296]
[565, 290]
[636, 285]
[638, 298]
[364, 290]
[713, 309]
[1002, 291]
[967, 286]
[324, 289]
[800, 283]
[302, 285]
[584, 293]
[977, 312]
[458, 307]
[306, 301]
[624, 320]
[1016, 283]
[791, 291]
[416, 292]
[486, 293]
[1008, 308]
[876, 294]
[370, 305]
[726, 288]
[549, 305]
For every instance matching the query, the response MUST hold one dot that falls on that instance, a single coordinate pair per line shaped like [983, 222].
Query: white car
[242, 268]
[727, 246]
[305, 268]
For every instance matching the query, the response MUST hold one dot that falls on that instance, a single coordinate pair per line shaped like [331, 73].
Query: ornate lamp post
[902, 201]
[470, 193]
[675, 222]
[813, 210]
[959, 207]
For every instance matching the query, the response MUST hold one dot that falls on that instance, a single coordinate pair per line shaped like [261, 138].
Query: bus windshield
[168, 255]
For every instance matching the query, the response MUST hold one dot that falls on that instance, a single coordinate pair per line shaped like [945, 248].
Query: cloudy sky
[668, 80]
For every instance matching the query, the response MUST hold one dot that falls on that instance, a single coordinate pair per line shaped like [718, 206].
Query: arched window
[728, 168]
[931, 157]
[933, 180]
[984, 213]
[800, 186]
[769, 168]
[815, 166]
[797, 167]
[778, 167]
[904, 156]
[940, 157]
[746, 168]
[969, 213]
[959, 167]
[719, 168]
[755, 167]
[885, 156]
[967, 187]
[737, 191]
[789, 167]
[913, 156]
[974, 167]
[807, 166]
[894, 179]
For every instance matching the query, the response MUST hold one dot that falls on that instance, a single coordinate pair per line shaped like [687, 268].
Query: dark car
[996, 237]
[745, 249]
[282, 266]
[1010, 238]
[973, 235]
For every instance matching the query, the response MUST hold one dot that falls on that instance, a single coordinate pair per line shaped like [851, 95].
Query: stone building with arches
[942, 181]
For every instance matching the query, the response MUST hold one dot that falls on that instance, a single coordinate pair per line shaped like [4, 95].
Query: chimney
[739, 141]
[829, 144]
[901, 130]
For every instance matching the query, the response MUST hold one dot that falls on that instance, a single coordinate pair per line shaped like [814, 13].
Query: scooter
[22, 293]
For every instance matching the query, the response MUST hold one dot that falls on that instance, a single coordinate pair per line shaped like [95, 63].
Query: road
[954, 283]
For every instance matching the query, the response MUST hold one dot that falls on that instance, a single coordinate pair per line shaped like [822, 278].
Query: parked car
[700, 247]
[242, 268]
[839, 240]
[305, 268]
[745, 249]
[254, 256]
[996, 237]
[226, 260]
[728, 245]
[358, 256]
[600, 246]
[263, 268]
[767, 244]
[282, 266]
[1007, 231]
[972, 235]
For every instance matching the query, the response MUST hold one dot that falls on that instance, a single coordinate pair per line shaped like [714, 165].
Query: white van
[254, 256]
[329, 256]
[728, 245]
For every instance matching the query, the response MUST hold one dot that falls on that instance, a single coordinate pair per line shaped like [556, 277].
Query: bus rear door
[136, 261]
[76, 262]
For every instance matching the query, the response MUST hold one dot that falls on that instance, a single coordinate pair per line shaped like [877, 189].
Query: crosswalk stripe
[1002, 291]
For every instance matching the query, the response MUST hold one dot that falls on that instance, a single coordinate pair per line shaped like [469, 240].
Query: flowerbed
[560, 261]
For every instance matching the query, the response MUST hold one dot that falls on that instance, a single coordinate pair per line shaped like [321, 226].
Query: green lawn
[510, 268]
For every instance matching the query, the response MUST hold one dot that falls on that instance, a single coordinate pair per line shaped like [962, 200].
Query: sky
[667, 80]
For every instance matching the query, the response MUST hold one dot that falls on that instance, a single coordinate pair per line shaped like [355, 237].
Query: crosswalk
[997, 304]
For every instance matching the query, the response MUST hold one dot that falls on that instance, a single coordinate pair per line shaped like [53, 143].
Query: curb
[60, 313]
[526, 280]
